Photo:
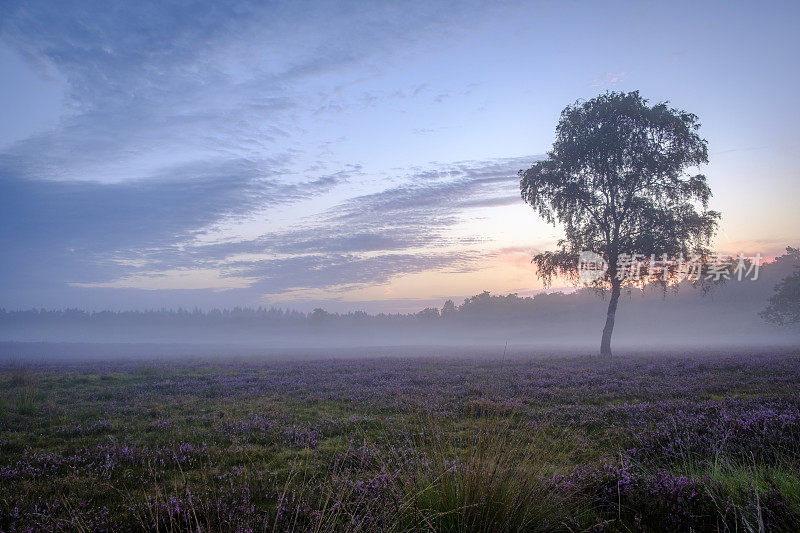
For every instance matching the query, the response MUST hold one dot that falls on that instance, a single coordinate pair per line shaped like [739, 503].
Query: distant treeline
[728, 314]
[478, 306]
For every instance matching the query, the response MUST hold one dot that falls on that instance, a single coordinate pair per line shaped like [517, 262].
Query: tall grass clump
[492, 477]
[27, 400]
[750, 496]
[24, 384]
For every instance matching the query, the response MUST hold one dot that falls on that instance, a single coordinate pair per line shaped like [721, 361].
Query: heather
[688, 443]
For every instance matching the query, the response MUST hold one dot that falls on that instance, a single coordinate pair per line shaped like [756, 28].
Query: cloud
[182, 120]
[146, 239]
[435, 194]
[349, 271]
[178, 279]
[414, 215]
[159, 209]
[150, 84]
[90, 232]
[371, 238]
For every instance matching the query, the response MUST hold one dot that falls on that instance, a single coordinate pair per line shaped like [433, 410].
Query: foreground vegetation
[562, 444]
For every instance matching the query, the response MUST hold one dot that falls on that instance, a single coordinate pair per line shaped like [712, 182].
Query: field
[403, 444]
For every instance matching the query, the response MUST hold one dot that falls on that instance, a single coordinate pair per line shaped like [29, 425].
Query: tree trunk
[605, 343]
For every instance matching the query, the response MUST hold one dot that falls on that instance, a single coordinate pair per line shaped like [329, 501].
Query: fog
[648, 321]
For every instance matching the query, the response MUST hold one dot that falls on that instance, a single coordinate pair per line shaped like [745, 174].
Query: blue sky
[351, 155]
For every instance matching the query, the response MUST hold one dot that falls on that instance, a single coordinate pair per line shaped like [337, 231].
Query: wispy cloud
[150, 84]
[147, 236]
[182, 118]
[371, 238]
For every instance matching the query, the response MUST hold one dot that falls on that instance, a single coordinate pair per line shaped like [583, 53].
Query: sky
[351, 155]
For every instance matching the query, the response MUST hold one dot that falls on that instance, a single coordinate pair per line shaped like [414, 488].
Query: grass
[27, 400]
[22, 381]
[493, 477]
[402, 445]
[741, 490]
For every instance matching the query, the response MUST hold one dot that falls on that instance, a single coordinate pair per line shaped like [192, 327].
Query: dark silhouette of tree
[449, 308]
[429, 313]
[318, 316]
[783, 308]
[616, 180]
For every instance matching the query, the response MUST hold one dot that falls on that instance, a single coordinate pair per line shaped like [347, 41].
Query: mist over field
[650, 320]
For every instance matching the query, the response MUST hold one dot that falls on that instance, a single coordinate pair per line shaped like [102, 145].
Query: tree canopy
[616, 179]
[783, 308]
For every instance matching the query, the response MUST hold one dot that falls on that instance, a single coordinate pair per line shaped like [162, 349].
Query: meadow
[669, 443]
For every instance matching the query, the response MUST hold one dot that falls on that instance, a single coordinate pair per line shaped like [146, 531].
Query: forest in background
[728, 314]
